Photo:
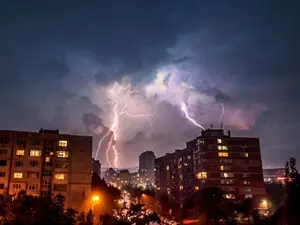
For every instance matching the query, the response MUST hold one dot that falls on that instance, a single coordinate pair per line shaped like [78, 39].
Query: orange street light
[95, 198]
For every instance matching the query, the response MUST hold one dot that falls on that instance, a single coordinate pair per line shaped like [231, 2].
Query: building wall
[47, 163]
[212, 159]
[146, 167]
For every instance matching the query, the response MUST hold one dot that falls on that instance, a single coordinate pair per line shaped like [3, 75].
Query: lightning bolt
[185, 111]
[115, 126]
[222, 113]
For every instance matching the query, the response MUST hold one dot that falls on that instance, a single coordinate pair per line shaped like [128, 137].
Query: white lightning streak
[99, 147]
[184, 109]
[222, 114]
[115, 126]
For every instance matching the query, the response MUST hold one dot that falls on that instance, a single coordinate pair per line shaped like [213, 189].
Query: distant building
[96, 167]
[47, 163]
[111, 176]
[146, 168]
[134, 179]
[276, 175]
[213, 159]
[124, 178]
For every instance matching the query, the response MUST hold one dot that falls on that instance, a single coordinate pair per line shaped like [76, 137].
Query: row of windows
[34, 163]
[225, 154]
[33, 152]
[203, 175]
[61, 143]
[19, 175]
[35, 187]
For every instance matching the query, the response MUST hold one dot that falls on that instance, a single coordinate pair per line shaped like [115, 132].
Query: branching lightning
[115, 126]
[222, 113]
[185, 111]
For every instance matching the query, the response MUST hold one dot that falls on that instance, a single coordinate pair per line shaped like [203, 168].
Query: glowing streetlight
[95, 200]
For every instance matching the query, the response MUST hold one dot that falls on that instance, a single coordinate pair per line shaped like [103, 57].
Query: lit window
[221, 167]
[224, 147]
[202, 175]
[51, 153]
[59, 176]
[181, 187]
[246, 154]
[227, 175]
[20, 152]
[179, 166]
[219, 147]
[18, 175]
[47, 159]
[219, 141]
[248, 196]
[223, 154]
[35, 152]
[167, 168]
[63, 143]
[196, 188]
[62, 154]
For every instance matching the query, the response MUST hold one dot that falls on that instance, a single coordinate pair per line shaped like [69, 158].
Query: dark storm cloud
[247, 50]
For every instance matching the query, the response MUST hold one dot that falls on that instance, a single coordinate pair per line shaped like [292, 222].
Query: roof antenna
[221, 126]
[211, 126]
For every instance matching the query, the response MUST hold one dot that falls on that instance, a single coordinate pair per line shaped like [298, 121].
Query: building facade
[47, 163]
[213, 159]
[146, 168]
[96, 167]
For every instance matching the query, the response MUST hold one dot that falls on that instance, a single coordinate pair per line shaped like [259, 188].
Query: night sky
[59, 61]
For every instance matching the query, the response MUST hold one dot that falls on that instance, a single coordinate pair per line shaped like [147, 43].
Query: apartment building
[47, 163]
[174, 175]
[218, 160]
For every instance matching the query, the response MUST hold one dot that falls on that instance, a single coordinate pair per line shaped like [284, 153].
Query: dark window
[21, 142]
[1, 186]
[3, 151]
[60, 187]
[33, 163]
[2, 174]
[33, 175]
[33, 187]
[44, 193]
[1, 140]
[35, 142]
[3, 162]
[18, 163]
[16, 186]
[62, 165]
[47, 173]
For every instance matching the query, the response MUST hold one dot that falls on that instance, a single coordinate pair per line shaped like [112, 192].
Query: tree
[292, 201]
[108, 193]
[209, 202]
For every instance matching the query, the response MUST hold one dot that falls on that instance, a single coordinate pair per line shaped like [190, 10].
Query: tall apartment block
[47, 163]
[216, 160]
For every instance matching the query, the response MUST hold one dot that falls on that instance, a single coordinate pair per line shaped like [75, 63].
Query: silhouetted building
[111, 176]
[213, 160]
[146, 168]
[96, 167]
[124, 178]
[47, 163]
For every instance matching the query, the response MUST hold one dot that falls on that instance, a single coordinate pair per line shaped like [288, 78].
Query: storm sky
[65, 64]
